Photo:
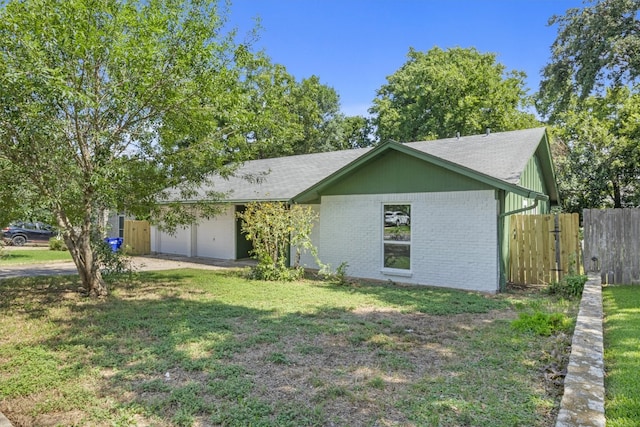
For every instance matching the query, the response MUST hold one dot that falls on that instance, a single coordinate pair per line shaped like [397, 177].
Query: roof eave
[314, 192]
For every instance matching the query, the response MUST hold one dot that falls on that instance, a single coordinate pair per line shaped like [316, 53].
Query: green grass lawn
[32, 256]
[622, 355]
[194, 347]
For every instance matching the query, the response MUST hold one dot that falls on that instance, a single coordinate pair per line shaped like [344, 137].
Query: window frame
[392, 207]
[121, 225]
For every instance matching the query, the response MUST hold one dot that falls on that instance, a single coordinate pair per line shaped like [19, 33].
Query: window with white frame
[397, 237]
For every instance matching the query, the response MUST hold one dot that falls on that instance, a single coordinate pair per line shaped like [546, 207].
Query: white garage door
[179, 243]
[216, 236]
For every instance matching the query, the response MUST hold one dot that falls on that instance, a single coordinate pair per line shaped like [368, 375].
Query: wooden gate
[612, 244]
[542, 248]
[137, 237]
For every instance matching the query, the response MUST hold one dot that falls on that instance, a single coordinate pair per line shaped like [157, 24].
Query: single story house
[429, 213]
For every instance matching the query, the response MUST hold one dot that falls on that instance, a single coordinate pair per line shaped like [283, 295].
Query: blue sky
[353, 45]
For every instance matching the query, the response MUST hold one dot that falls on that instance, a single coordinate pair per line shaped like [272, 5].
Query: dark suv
[20, 232]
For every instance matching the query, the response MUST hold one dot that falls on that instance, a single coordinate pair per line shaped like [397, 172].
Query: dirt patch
[361, 381]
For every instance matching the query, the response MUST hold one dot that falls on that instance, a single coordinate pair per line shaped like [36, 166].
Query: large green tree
[589, 92]
[357, 132]
[596, 47]
[307, 112]
[597, 153]
[317, 108]
[439, 93]
[106, 103]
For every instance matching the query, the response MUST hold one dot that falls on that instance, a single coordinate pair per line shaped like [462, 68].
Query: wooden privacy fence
[612, 244]
[542, 248]
[137, 237]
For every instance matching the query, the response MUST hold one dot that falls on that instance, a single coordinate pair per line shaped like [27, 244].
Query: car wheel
[18, 240]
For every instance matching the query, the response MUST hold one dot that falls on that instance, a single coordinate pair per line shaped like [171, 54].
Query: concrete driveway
[140, 263]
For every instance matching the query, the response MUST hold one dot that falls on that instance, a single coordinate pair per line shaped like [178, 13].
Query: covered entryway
[243, 246]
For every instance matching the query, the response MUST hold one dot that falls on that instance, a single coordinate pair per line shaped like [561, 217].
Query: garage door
[177, 244]
[215, 236]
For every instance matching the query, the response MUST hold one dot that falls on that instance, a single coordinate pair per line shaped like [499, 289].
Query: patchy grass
[622, 355]
[32, 256]
[191, 347]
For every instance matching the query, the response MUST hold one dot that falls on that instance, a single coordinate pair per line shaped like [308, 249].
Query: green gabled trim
[543, 152]
[396, 172]
[313, 192]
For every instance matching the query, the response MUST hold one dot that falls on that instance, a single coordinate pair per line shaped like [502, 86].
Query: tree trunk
[79, 245]
[617, 195]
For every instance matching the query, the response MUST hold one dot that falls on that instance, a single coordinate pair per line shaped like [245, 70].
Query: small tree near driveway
[105, 104]
[273, 228]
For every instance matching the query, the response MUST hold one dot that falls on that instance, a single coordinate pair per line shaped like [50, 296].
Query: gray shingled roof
[281, 178]
[502, 155]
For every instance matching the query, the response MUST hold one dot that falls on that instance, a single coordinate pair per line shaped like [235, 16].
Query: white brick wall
[306, 259]
[453, 243]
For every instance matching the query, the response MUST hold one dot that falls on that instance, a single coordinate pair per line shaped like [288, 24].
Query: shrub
[339, 277]
[57, 244]
[274, 229]
[540, 323]
[110, 261]
[570, 286]
[270, 272]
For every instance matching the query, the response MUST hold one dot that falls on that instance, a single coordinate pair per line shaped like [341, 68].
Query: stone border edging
[583, 400]
[4, 422]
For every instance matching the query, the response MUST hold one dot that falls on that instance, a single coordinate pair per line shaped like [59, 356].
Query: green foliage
[118, 104]
[57, 244]
[358, 132]
[265, 270]
[570, 286]
[438, 93]
[596, 46]
[596, 151]
[278, 358]
[376, 382]
[110, 261]
[274, 228]
[622, 354]
[318, 109]
[589, 93]
[32, 370]
[301, 116]
[541, 323]
[29, 256]
[338, 277]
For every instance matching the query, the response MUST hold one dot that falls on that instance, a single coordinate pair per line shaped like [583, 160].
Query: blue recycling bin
[114, 242]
